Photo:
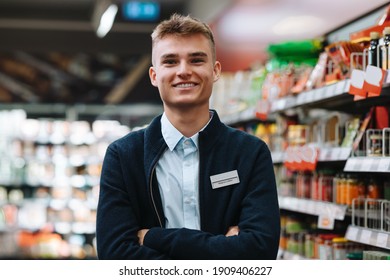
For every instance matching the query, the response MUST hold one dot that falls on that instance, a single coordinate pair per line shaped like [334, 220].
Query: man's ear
[152, 76]
[217, 70]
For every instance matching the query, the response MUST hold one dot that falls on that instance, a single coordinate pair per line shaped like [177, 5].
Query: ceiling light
[103, 17]
[107, 20]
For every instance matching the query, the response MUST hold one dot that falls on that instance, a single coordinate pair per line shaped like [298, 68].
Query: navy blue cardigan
[129, 199]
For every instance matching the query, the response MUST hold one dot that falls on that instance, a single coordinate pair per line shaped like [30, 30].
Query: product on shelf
[374, 55]
[340, 54]
[364, 35]
[49, 176]
[375, 255]
[301, 237]
[352, 128]
[386, 48]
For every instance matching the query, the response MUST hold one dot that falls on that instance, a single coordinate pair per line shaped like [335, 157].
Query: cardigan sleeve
[116, 223]
[259, 223]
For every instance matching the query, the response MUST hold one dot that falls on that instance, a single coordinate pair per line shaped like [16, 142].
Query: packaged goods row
[301, 239]
[49, 184]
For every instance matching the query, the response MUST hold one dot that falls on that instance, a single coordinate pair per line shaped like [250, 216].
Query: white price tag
[381, 240]
[322, 155]
[325, 222]
[310, 96]
[366, 236]
[301, 98]
[291, 102]
[340, 88]
[303, 206]
[347, 84]
[294, 204]
[311, 207]
[373, 79]
[335, 154]
[319, 94]
[329, 91]
[328, 155]
[344, 153]
[374, 164]
[383, 165]
[358, 165]
[352, 233]
[387, 79]
[350, 164]
[357, 78]
[366, 164]
[282, 203]
[339, 211]
[281, 104]
[248, 114]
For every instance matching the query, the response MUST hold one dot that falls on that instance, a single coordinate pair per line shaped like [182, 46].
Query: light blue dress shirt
[177, 175]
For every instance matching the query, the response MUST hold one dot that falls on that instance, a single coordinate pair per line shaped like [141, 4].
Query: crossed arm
[232, 231]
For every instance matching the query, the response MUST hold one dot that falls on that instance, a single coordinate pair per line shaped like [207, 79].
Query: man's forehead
[174, 45]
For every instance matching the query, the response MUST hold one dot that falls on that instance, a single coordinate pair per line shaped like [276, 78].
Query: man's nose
[184, 69]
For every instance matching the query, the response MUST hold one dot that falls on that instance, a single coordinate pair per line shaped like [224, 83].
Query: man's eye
[197, 60]
[169, 61]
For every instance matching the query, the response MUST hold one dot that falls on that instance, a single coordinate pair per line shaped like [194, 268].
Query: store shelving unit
[312, 207]
[368, 165]
[333, 97]
[49, 181]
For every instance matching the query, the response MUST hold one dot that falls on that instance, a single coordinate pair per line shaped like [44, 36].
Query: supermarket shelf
[368, 236]
[312, 207]
[136, 110]
[277, 157]
[326, 155]
[333, 92]
[333, 97]
[318, 97]
[60, 227]
[334, 154]
[368, 164]
[246, 115]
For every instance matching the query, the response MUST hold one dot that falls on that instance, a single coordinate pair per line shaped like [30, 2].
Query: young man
[187, 186]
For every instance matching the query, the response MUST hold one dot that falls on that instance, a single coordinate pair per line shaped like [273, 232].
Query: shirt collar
[172, 136]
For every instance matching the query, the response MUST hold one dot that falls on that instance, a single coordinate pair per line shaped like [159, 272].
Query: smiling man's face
[184, 70]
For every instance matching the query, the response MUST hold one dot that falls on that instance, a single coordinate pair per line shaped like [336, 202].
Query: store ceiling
[66, 25]
[41, 27]
[47, 25]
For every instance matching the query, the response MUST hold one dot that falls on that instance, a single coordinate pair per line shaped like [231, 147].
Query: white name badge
[224, 179]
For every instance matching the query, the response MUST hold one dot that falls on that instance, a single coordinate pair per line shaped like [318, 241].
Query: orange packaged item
[364, 35]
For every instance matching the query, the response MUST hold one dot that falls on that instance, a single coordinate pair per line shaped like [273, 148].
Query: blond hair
[183, 26]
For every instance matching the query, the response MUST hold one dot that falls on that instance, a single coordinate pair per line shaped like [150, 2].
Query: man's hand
[232, 231]
[141, 235]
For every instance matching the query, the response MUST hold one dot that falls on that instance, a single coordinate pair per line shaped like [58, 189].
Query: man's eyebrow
[173, 55]
[169, 55]
[198, 54]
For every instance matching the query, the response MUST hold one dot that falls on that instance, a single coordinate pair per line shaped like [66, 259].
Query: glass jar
[339, 247]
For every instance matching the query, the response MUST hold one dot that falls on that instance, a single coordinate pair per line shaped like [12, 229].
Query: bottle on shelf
[386, 49]
[373, 50]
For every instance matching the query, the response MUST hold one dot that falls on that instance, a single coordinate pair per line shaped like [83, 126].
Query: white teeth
[185, 85]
